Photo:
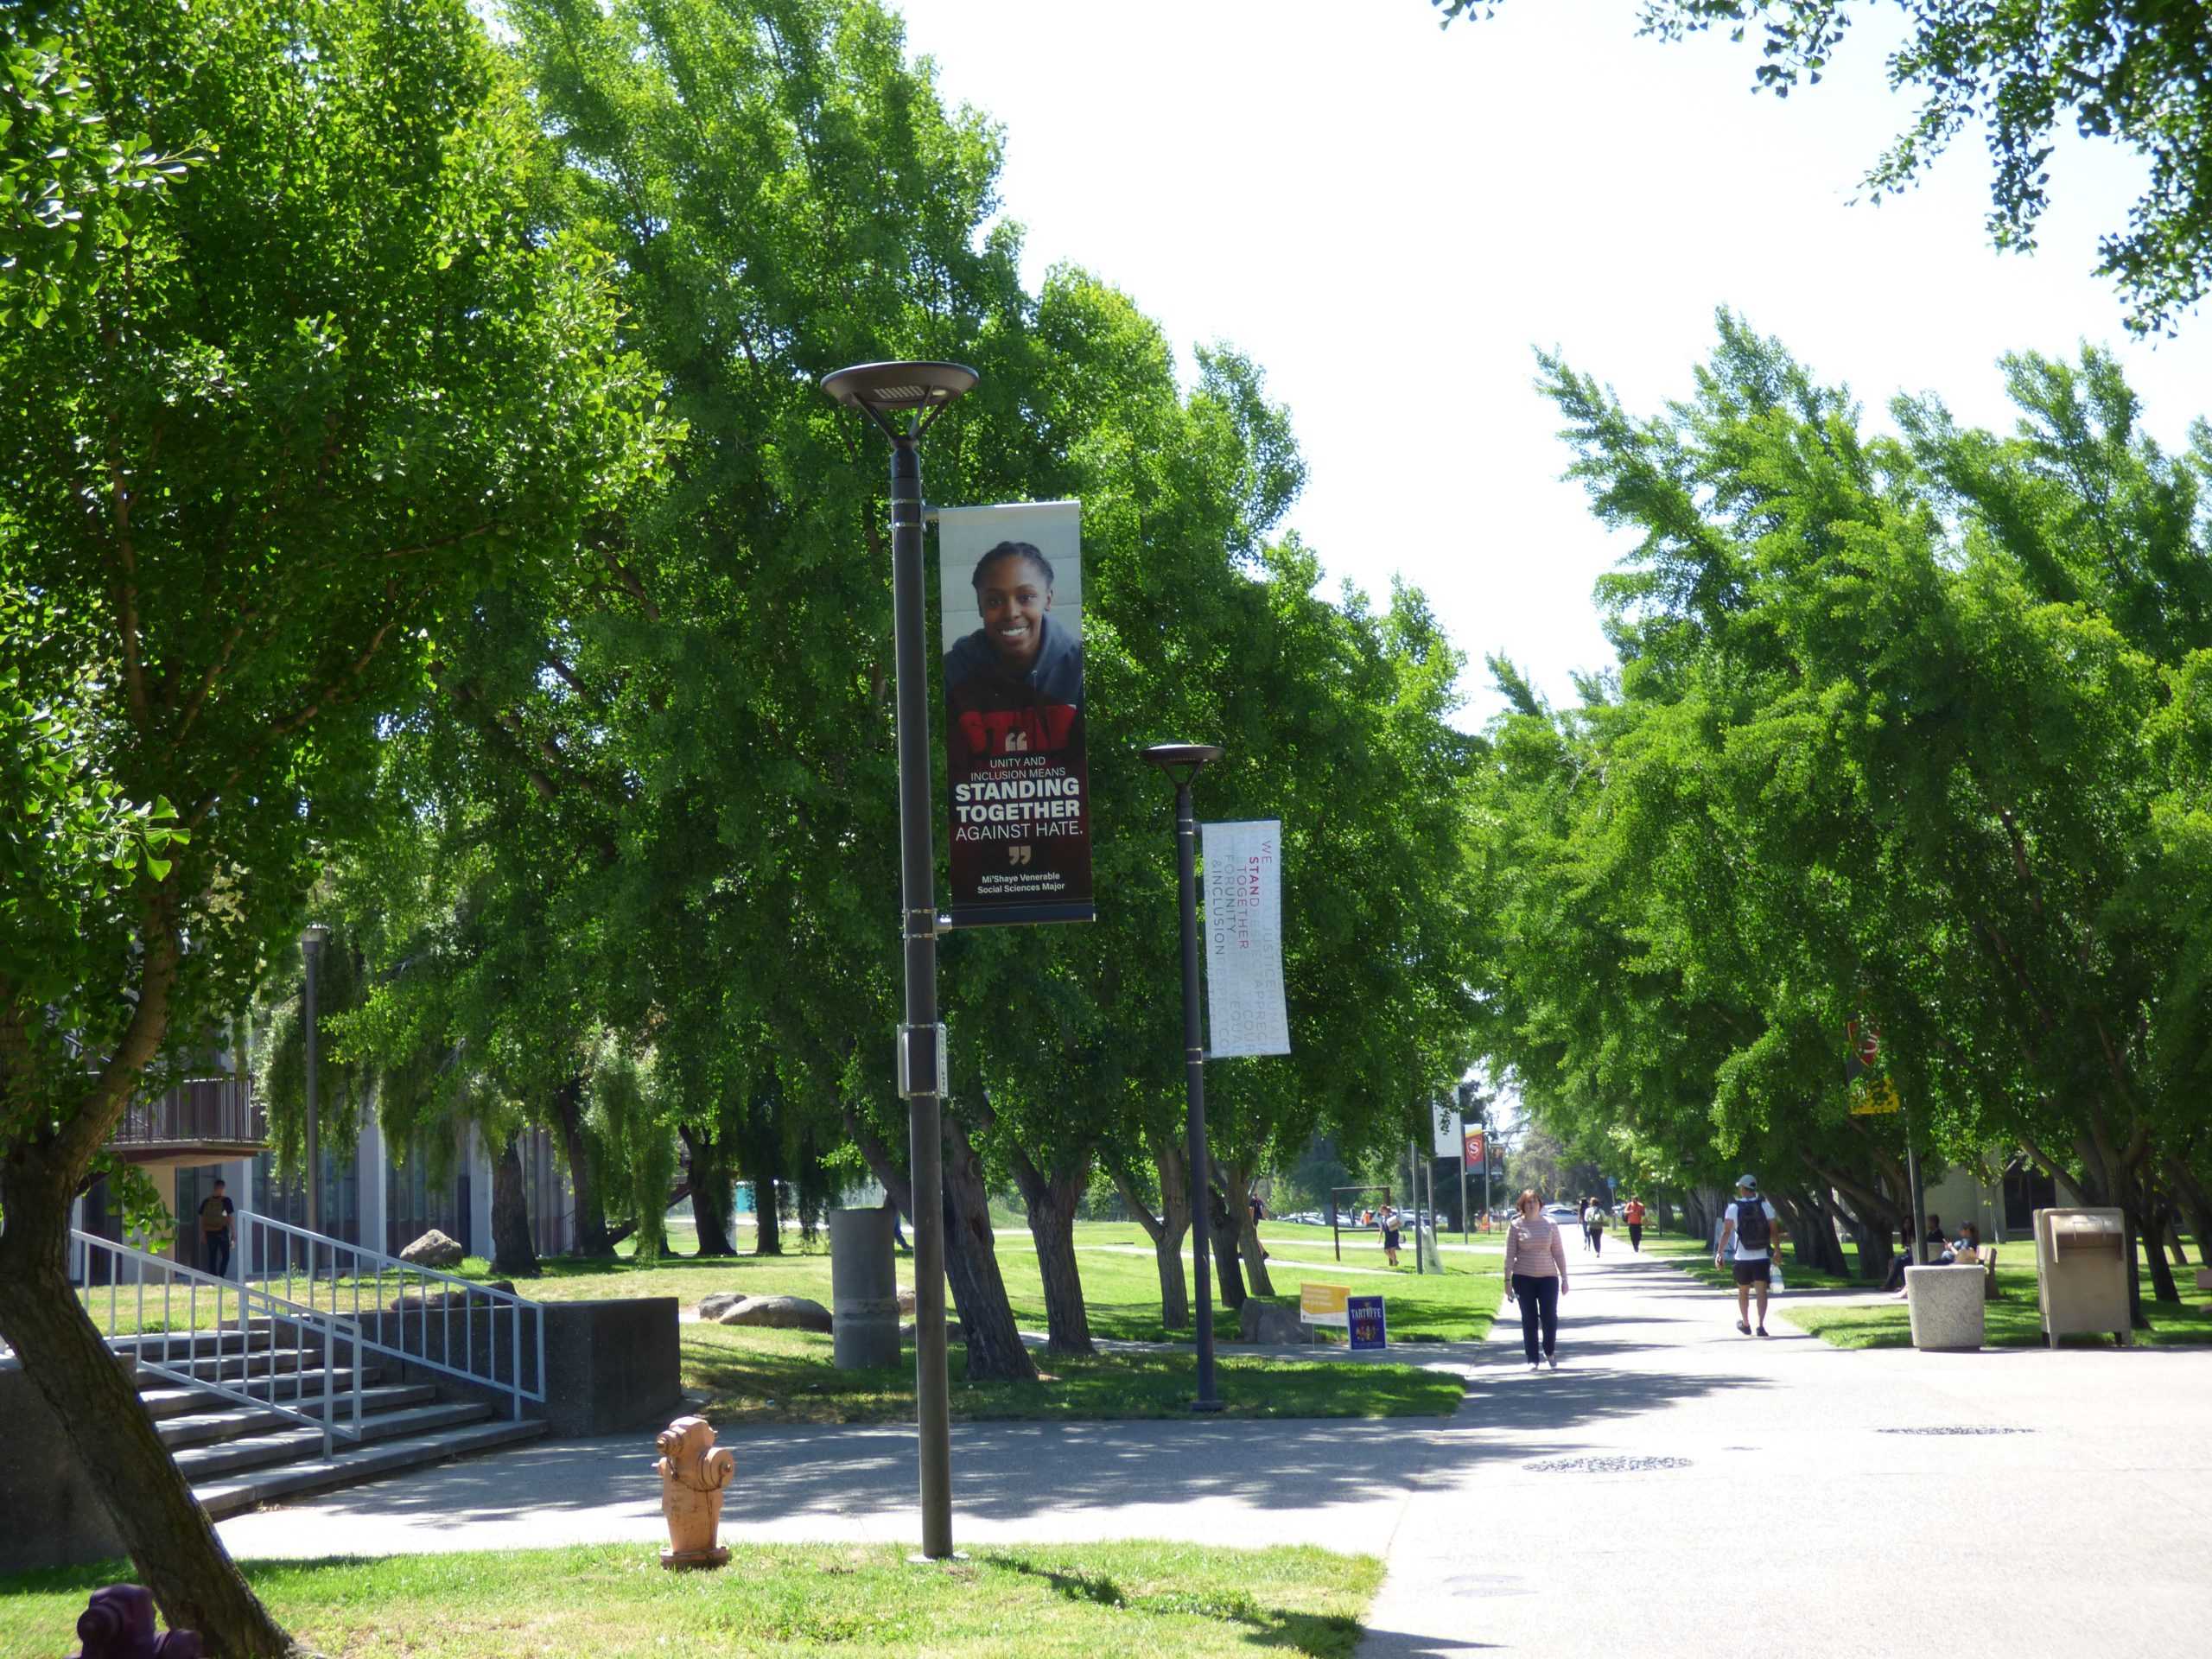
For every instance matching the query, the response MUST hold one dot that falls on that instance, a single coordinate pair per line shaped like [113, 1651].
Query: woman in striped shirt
[1536, 1276]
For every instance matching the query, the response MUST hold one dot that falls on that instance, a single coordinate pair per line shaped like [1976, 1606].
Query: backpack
[1751, 1225]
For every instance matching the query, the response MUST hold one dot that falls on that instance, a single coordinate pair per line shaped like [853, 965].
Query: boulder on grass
[434, 1249]
[713, 1308]
[1267, 1325]
[907, 1298]
[776, 1314]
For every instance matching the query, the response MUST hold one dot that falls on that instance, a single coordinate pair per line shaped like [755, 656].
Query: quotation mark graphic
[1018, 855]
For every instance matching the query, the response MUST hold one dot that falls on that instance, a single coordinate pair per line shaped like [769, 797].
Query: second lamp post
[1182, 762]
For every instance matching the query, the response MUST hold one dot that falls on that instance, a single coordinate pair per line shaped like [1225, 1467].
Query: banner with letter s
[1017, 778]
[1245, 1013]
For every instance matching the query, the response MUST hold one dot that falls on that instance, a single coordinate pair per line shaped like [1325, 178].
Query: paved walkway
[1797, 1521]
[1805, 1517]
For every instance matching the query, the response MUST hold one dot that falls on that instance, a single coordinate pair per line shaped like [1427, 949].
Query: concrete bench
[2204, 1277]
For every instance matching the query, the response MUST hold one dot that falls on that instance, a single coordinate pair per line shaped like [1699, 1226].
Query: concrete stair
[238, 1456]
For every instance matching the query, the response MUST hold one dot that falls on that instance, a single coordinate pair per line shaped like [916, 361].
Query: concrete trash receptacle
[1946, 1305]
[863, 1290]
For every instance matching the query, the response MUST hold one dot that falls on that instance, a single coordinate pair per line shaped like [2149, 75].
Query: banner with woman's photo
[1018, 788]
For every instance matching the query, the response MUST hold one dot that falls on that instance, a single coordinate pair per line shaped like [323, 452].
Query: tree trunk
[2152, 1230]
[767, 1201]
[513, 1254]
[2195, 1202]
[172, 1543]
[1049, 1204]
[1222, 1235]
[712, 1188]
[889, 1172]
[1696, 1221]
[971, 1263]
[1167, 1231]
[1237, 1183]
[1873, 1238]
[1814, 1233]
[1051, 1227]
[592, 1238]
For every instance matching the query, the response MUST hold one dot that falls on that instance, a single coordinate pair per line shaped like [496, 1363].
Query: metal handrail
[222, 1107]
[252, 1303]
[385, 1327]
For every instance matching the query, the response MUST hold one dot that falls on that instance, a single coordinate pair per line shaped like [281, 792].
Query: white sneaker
[1534, 1367]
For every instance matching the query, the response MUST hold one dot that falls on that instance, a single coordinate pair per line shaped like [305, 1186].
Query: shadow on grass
[786, 1378]
[1323, 1636]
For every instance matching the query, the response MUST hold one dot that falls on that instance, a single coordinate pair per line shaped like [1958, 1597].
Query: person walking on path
[1634, 1217]
[1535, 1278]
[1748, 1229]
[1387, 1220]
[1598, 1220]
[215, 1212]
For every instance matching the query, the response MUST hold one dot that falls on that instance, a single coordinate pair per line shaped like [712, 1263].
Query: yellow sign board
[1326, 1305]
[1877, 1098]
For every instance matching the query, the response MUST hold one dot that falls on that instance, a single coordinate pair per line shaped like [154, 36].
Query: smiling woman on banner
[1014, 686]
[1018, 812]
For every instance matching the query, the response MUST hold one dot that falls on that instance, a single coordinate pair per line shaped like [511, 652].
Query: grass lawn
[1696, 1259]
[2014, 1321]
[615, 1602]
[750, 1375]
[753, 1375]
[1121, 1285]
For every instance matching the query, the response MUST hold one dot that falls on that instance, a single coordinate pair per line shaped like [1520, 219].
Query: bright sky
[1390, 218]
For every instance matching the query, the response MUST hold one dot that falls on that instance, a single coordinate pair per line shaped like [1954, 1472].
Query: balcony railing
[216, 1111]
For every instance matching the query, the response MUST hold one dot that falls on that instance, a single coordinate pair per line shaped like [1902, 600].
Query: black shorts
[1390, 1240]
[1752, 1273]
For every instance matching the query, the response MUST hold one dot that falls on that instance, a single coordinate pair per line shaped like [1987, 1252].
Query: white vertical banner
[1243, 939]
[1448, 1142]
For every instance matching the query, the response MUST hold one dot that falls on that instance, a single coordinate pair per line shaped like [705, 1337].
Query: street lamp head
[1174, 758]
[314, 936]
[884, 389]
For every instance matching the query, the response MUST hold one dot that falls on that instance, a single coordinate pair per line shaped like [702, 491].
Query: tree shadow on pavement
[1021, 1472]
[1404, 1644]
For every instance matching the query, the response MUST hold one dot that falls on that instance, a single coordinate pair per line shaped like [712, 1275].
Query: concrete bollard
[864, 1290]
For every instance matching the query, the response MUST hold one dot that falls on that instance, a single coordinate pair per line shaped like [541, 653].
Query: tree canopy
[1892, 743]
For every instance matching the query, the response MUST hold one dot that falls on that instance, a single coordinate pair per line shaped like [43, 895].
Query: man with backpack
[1748, 1231]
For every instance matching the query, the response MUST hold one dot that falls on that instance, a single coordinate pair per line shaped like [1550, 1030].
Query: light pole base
[1205, 1407]
[919, 1559]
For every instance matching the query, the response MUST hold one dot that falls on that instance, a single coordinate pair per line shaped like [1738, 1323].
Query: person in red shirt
[1634, 1217]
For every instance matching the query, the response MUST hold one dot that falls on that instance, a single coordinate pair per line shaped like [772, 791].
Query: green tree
[1880, 749]
[2133, 72]
[282, 414]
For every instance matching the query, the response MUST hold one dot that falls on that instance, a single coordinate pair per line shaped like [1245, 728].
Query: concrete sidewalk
[1674, 1488]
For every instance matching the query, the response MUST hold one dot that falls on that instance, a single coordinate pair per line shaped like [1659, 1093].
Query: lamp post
[313, 937]
[1182, 762]
[921, 391]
